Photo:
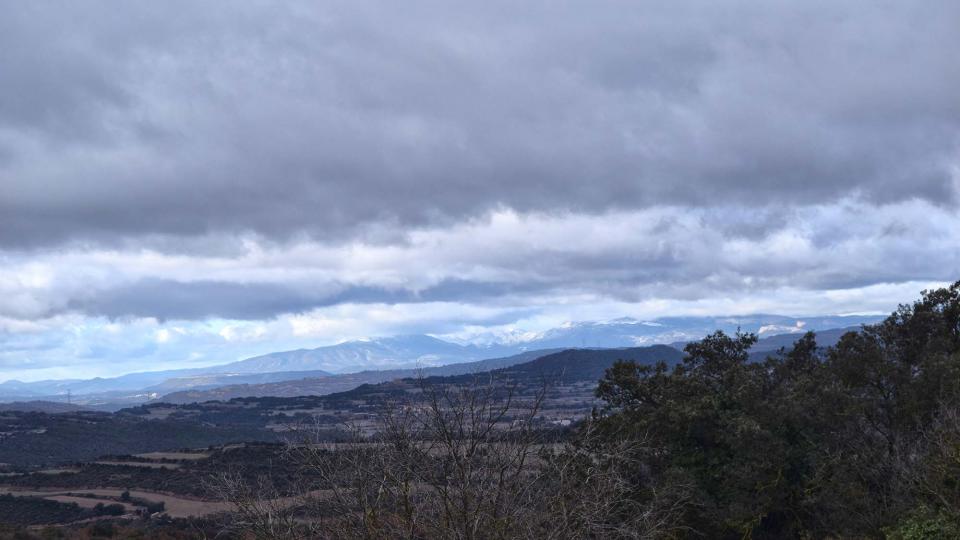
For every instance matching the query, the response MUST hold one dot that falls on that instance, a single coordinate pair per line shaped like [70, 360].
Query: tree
[861, 439]
[851, 440]
[457, 461]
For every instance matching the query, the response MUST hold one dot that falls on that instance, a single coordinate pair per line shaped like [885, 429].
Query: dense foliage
[860, 439]
[34, 438]
[163, 528]
[857, 440]
[36, 511]
[250, 460]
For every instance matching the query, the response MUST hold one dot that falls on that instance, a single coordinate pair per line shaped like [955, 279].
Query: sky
[189, 183]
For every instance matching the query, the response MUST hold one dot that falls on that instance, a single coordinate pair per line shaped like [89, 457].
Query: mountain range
[322, 385]
[329, 365]
[328, 384]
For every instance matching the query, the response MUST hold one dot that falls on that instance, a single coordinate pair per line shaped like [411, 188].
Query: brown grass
[175, 506]
[191, 456]
[147, 464]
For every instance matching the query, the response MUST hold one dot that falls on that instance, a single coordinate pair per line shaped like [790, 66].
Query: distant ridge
[563, 368]
[590, 364]
[49, 407]
[387, 352]
[825, 338]
[311, 385]
[330, 384]
[570, 365]
[408, 351]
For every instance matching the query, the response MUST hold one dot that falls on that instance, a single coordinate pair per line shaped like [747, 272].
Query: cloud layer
[347, 118]
[275, 173]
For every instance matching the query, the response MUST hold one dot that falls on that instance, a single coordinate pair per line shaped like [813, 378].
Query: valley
[346, 365]
[156, 460]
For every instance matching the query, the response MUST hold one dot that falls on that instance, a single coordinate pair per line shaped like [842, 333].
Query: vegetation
[859, 440]
[158, 529]
[250, 460]
[36, 511]
[35, 438]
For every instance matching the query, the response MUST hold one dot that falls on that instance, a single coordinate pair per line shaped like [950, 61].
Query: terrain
[34, 439]
[358, 359]
[309, 385]
[41, 406]
[78, 466]
[329, 384]
[66, 466]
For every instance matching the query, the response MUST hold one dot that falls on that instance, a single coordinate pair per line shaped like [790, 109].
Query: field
[142, 467]
[174, 505]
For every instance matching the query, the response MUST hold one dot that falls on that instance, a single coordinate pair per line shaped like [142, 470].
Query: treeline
[36, 511]
[859, 440]
[51, 439]
[251, 459]
[162, 528]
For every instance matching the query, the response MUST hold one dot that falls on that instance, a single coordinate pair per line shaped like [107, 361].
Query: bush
[113, 510]
[103, 529]
[923, 524]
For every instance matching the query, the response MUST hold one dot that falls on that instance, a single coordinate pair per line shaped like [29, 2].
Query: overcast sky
[188, 183]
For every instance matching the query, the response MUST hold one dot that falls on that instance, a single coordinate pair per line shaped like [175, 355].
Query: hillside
[34, 438]
[825, 338]
[570, 374]
[388, 352]
[572, 363]
[628, 332]
[205, 381]
[340, 383]
[50, 407]
[347, 357]
[769, 344]
[403, 352]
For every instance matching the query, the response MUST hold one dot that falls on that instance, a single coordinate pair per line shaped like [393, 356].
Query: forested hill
[37, 438]
[574, 365]
[319, 386]
[52, 407]
[562, 371]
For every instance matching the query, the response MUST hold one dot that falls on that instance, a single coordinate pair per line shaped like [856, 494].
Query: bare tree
[600, 486]
[453, 462]
[466, 462]
[260, 511]
[929, 468]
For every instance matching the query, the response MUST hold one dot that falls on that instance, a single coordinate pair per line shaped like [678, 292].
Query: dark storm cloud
[173, 300]
[187, 119]
[165, 299]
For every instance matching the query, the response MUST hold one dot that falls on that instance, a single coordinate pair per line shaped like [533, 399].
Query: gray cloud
[513, 261]
[186, 183]
[165, 299]
[181, 119]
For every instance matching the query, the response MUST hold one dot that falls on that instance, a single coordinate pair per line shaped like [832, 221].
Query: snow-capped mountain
[629, 332]
[375, 353]
[425, 351]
